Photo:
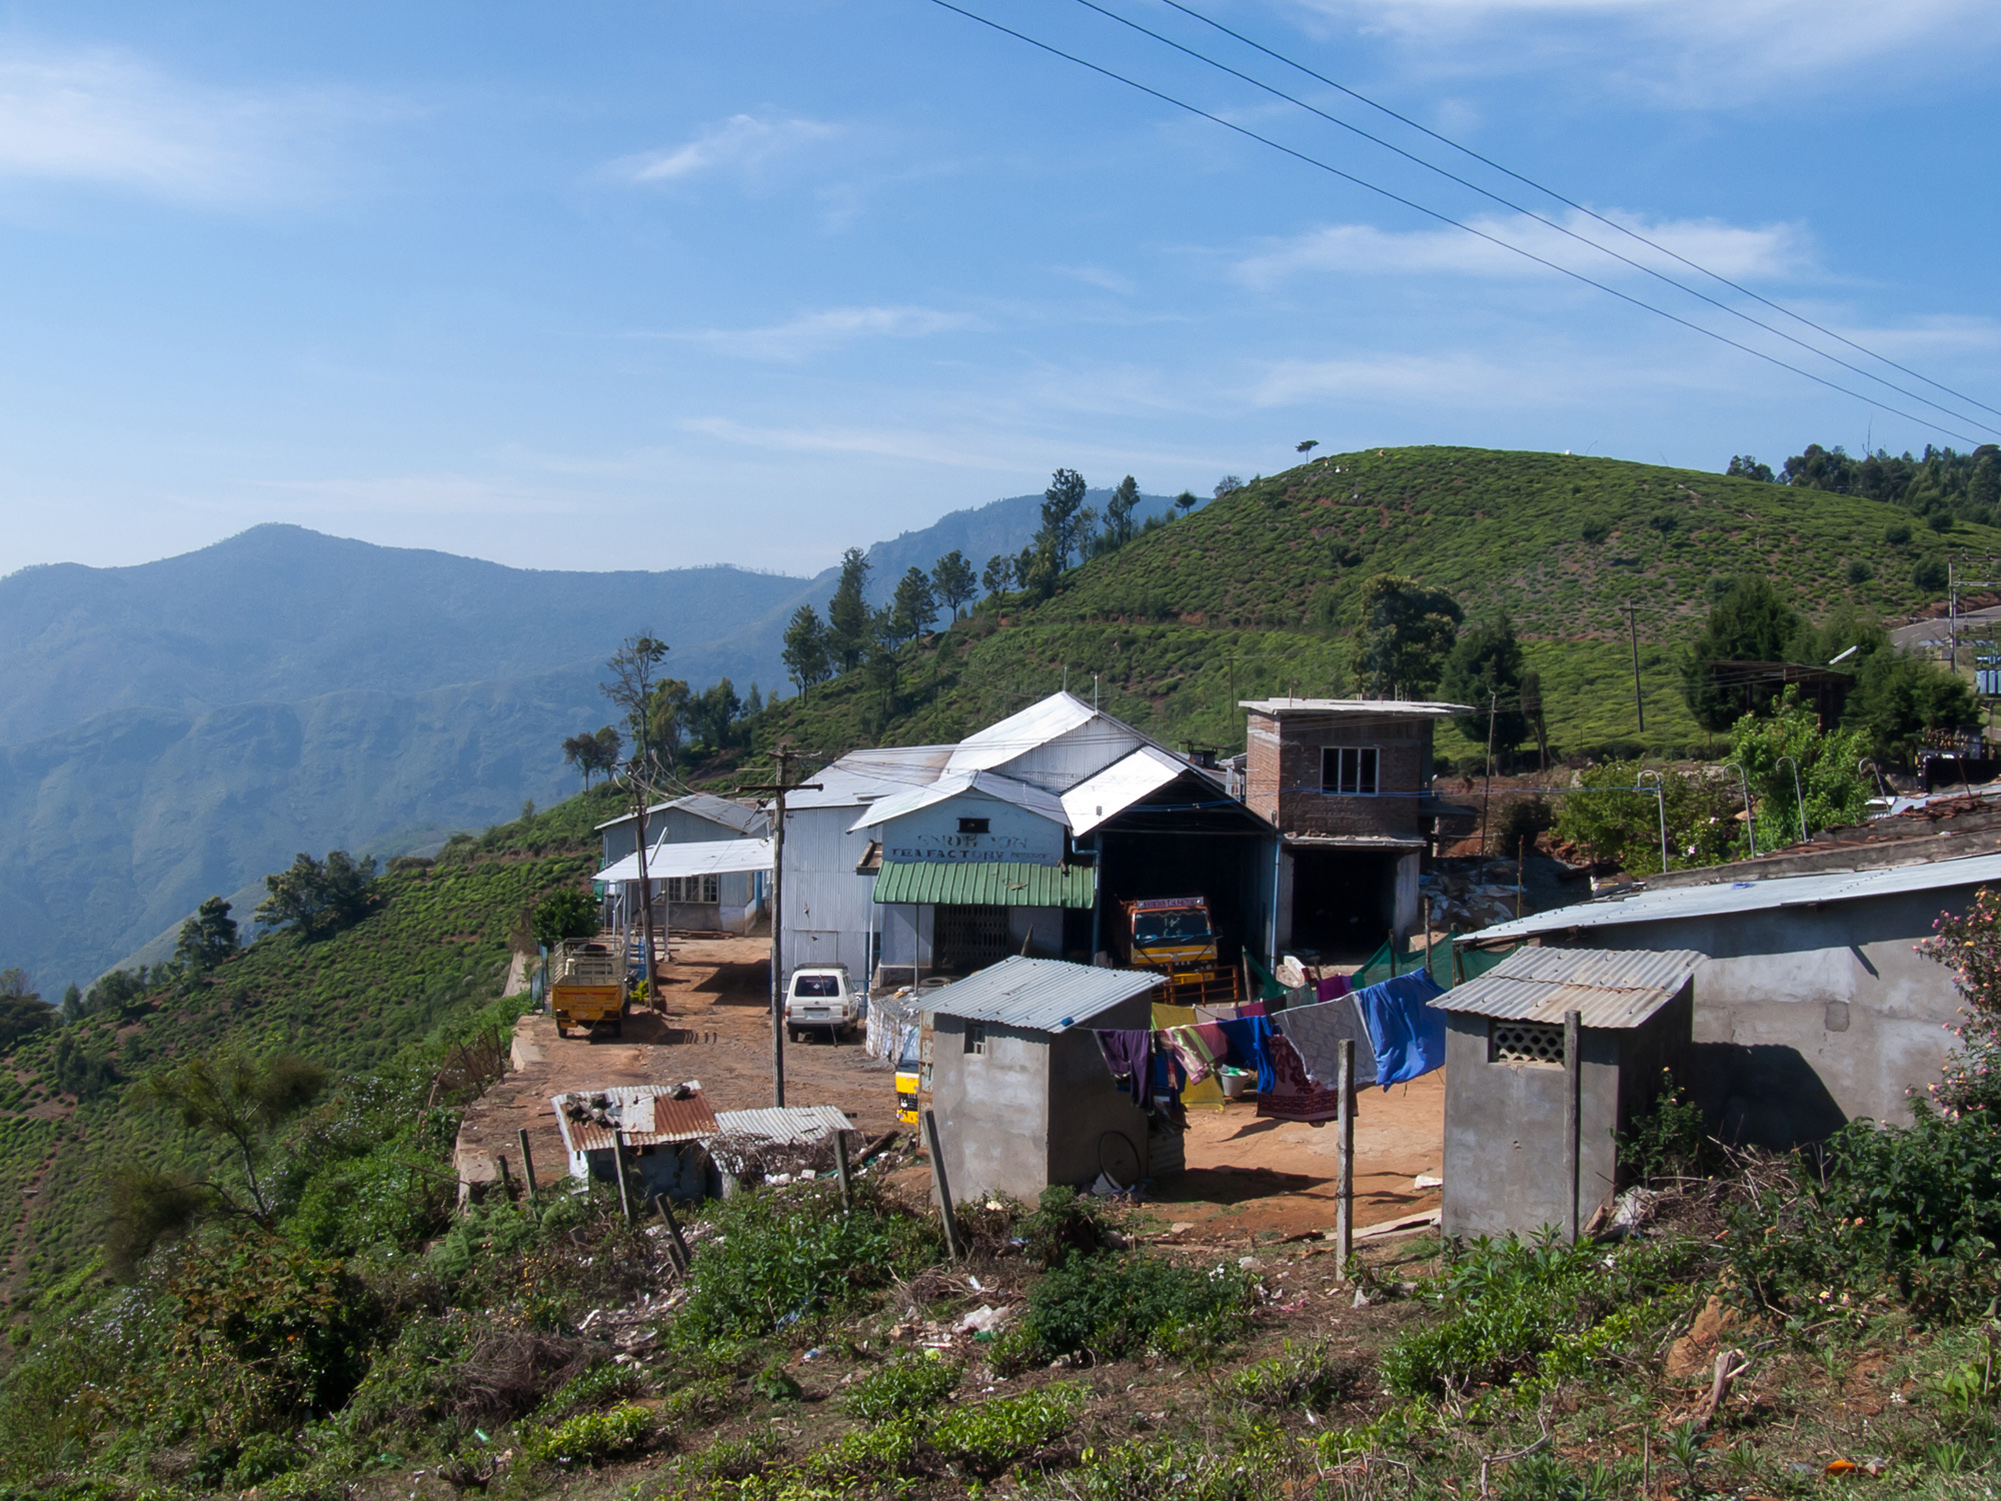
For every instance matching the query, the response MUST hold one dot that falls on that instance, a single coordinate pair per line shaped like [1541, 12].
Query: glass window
[1349, 769]
[976, 1037]
[975, 825]
[1188, 926]
[820, 987]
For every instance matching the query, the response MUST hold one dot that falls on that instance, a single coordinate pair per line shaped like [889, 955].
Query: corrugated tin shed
[1373, 707]
[992, 784]
[986, 883]
[1677, 902]
[1612, 988]
[647, 1113]
[1040, 995]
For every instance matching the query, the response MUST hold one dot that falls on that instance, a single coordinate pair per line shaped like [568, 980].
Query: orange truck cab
[1174, 935]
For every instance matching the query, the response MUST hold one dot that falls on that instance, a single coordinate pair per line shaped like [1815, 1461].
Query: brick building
[1347, 782]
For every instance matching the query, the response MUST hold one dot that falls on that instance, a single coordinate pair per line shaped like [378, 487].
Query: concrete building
[1020, 839]
[1020, 1088]
[1812, 1007]
[1347, 783]
[1512, 1142]
[704, 900]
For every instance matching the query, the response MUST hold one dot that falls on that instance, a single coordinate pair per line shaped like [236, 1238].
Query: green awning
[975, 883]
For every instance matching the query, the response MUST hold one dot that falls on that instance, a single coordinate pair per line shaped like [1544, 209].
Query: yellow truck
[587, 984]
[1174, 936]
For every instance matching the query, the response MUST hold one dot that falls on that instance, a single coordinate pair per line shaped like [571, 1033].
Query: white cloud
[811, 333]
[1098, 276]
[1740, 253]
[1687, 52]
[742, 143]
[110, 119]
[926, 447]
[423, 494]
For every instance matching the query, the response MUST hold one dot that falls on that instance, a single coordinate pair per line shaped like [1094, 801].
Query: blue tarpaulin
[1409, 1036]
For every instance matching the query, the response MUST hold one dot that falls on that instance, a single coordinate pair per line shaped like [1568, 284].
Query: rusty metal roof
[1611, 988]
[648, 1114]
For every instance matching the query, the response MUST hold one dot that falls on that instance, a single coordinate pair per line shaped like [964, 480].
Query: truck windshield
[818, 986]
[1191, 926]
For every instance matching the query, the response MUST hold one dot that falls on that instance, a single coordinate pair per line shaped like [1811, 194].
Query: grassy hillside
[1254, 593]
[436, 947]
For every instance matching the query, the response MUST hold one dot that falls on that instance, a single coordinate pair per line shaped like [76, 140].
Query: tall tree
[1227, 485]
[805, 654]
[713, 713]
[610, 746]
[1402, 637]
[633, 671]
[1532, 712]
[207, 938]
[317, 898]
[848, 618]
[912, 609]
[1485, 670]
[581, 751]
[999, 574]
[1187, 501]
[22, 1010]
[1750, 623]
[667, 724]
[953, 581]
[1121, 525]
[1066, 520]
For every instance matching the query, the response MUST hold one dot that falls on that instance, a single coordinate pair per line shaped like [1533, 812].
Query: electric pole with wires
[778, 789]
[1632, 614]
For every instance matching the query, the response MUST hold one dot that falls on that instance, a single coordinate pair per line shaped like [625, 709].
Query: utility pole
[1632, 613]
[1487, 796]
[639, 795]
[778, 789]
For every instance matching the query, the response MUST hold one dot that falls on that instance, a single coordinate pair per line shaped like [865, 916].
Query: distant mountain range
[180, 728]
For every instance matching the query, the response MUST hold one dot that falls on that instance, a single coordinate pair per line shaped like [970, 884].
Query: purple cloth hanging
[1333, 987]
[1129, 1055]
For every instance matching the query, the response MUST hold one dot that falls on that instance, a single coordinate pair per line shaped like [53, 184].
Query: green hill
[1253, 594]
[434, 949]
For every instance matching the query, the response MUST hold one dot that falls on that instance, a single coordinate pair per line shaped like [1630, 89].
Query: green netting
[1384, 963]
[1268, 988]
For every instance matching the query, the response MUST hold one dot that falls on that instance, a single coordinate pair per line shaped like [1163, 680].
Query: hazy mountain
[179, 728]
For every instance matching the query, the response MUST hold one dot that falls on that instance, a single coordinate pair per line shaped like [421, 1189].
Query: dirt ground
[1247, 1178]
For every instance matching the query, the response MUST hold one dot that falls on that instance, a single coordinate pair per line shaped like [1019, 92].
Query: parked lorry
[821, 999]
[587, 984]
[1175, 936]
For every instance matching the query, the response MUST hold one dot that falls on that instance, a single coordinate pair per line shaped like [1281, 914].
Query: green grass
[1251, 597]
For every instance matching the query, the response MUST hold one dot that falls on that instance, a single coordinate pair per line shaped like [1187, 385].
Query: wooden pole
[1573, 1076]
[506, 1183]
[1487, 791]
[942, 1187]
[783, 758]
[645, 892]
[1639, 703]
[1427, 937]
[680, 1246]
[618, 1171]
[527, 1165]
[841, 1169]
[1344, 1203]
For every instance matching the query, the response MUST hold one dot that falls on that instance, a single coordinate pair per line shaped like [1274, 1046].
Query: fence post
[841, 1169]
[1344, 1203]
[1573, 1076]
[618, 1172]
[944, 1188]
[527, 1166]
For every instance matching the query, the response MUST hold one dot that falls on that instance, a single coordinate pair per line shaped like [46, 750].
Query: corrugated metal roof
[1609, 987]
[864, 775]
[1119, 786]
[1041, 995]
[791, 1125]
[986, 883]
[992, 784]
[1371, 706]
[742, 817]
[648, 1114]
[711, 857]
[1677, 902]
[1038, 724]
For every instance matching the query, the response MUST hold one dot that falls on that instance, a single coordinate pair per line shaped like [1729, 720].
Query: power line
[1542, 219]
[1431, 213]
[1572, 203]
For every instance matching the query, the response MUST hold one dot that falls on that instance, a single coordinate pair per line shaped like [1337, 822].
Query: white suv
[821, 999]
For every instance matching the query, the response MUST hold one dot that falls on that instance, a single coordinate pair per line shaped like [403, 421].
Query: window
[976, 1037]
[694, 888]
[1539, 1043]
[975, 825]
[817, 987]
[1350, 769]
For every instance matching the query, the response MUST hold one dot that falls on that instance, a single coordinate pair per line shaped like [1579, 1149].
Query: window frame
[1334, 760]
[976, 1039]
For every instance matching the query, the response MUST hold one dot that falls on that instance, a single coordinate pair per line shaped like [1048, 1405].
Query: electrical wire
[1432, 213]
[1545, 221]
[1488, 161]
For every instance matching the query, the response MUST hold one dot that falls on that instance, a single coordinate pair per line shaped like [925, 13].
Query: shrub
[907, 1385]
[1520, 821]
[778, 1258]
[1311, 1379]
[564, 914]
[991, 1437]
[1668, 1141]
[1897, 533]
[598, 1387]
[1860, 572]
[591, 1437]
[1117, 1307]
[1064, 1224]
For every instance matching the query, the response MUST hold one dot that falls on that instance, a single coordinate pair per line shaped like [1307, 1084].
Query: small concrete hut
[1548, 1056]
[1019, 1085]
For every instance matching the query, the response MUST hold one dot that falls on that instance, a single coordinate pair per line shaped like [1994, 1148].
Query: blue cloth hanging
[1409, 1036]
[1250, 1044]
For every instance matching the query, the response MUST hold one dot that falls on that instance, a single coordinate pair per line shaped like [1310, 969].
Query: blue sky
[615, 285]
